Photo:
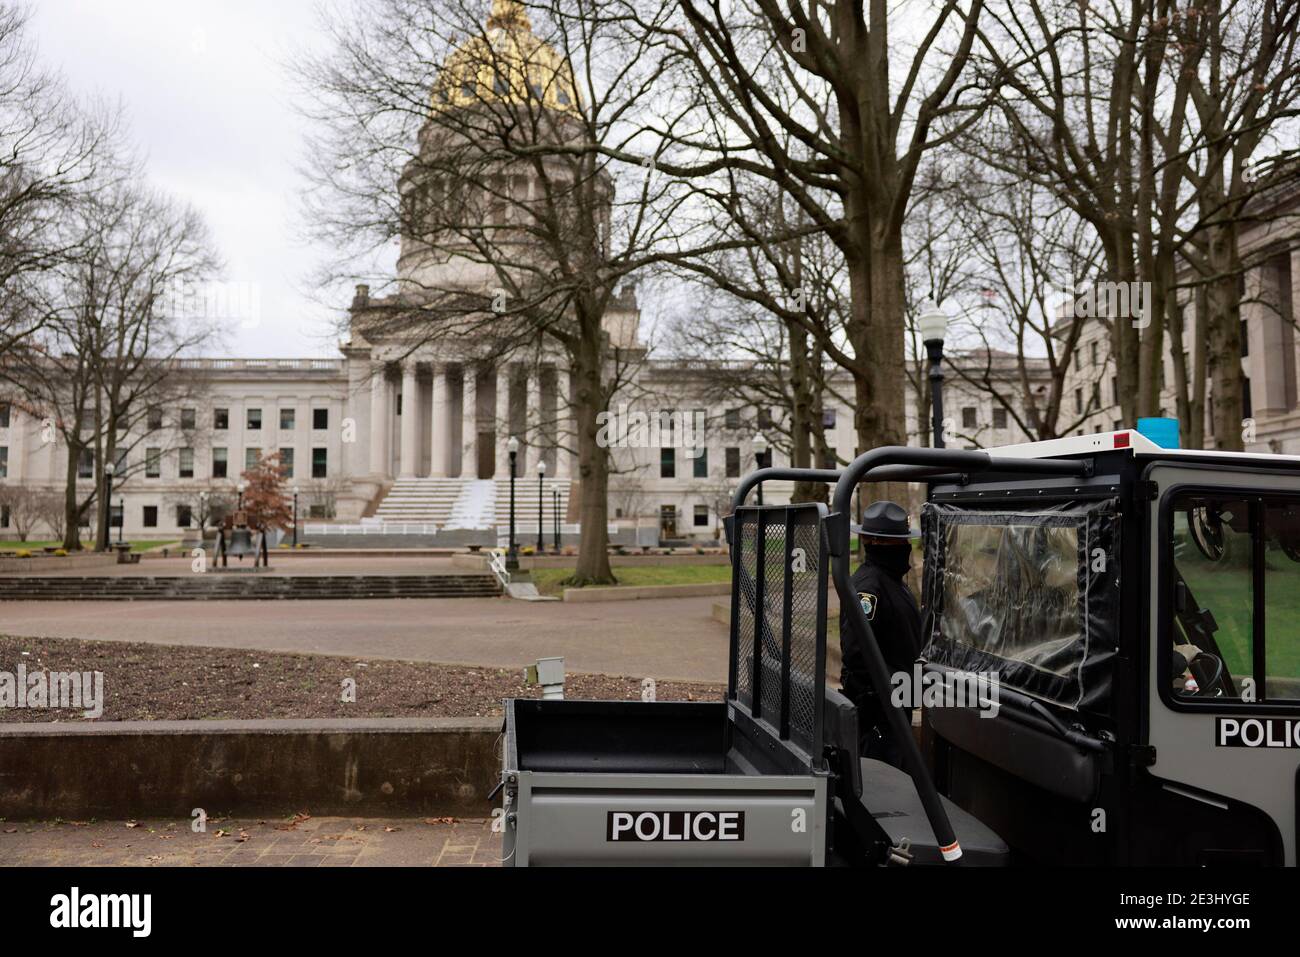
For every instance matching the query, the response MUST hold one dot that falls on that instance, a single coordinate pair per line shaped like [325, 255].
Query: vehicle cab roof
[1140, 447]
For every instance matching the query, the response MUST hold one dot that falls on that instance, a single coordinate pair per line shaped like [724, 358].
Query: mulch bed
[147, 682]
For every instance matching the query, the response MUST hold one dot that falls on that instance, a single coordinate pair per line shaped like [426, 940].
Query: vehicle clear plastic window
[1013, 591]
[1030, 595]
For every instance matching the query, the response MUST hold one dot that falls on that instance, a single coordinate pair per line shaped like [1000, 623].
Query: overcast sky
[210, 106]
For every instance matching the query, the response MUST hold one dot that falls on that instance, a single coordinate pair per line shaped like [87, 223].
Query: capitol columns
[440, 421]
[565, 434]
[379, 420]
[503, 420]
[469, 422]
[410, 448]
[536, 445]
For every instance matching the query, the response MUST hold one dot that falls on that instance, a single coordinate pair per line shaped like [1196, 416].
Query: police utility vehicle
[1134, 609]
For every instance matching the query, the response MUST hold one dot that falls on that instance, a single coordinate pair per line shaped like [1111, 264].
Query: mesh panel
[792, 562]
[806, 587]
[746, 524]
[771, 629]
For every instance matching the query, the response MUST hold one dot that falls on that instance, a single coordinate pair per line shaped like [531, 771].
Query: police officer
[895, 618]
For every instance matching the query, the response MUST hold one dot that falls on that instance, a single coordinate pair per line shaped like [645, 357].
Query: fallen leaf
[390, 830]
[132, 824]
[439, 820]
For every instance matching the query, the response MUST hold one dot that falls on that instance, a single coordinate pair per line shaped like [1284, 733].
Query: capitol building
[404, 438]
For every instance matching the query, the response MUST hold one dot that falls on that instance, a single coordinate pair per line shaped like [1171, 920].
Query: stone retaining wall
[138, 769]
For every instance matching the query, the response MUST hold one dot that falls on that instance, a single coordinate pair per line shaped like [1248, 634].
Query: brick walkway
[314, 842]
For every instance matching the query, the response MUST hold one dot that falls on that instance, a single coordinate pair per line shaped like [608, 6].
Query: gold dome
[506, 63]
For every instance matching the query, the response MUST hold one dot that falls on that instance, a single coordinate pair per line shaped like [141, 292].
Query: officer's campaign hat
[885, 520]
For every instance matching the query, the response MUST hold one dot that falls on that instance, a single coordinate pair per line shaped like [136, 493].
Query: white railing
[497, 563]
[378, 528]
[288, 364]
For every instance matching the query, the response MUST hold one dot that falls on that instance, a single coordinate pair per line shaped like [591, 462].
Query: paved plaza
[665, 638]
[244, 842]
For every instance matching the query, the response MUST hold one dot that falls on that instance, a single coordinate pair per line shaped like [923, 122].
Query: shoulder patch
[869, 603]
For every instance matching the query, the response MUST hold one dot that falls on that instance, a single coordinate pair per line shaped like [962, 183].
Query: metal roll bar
[889, 473]
[898, 464]
[951, 468]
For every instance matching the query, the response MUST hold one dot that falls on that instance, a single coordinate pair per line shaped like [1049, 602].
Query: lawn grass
[36, 546]
[1225, 591]
[548, 580]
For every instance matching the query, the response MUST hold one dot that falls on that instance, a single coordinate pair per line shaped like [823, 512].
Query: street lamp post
[541, 506]
[760, 455]
[512, 552]
[555, 516]
[933, 323]
[241, 486]
[108, 503]
[295, 516]
[121, 507]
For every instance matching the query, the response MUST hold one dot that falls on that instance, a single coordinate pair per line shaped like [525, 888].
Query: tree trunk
[802, 405]
[1125, 342]
[1196, 405]
[593, 566]
[1223, 337]
[887, 380]
[71, 509]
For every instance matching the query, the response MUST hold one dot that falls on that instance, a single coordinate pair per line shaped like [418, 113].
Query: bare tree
[519, 234]
[23, 504]
[1011, 272]
[770, 318]
[50, 511]
[1248, 89]
[834, 103]
[1143, 118]
[50, 149]
[109, 355]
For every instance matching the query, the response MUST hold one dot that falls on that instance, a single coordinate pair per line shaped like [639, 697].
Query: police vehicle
[1127, 614]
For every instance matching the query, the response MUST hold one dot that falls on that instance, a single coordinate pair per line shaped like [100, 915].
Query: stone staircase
[475, 507]
[526, 503]
[420, 501]
[246, 586]
[458, 503]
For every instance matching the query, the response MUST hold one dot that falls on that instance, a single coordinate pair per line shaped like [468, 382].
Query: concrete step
[247, 586]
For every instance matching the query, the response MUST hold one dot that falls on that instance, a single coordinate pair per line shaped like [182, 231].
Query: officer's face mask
[896, 559]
